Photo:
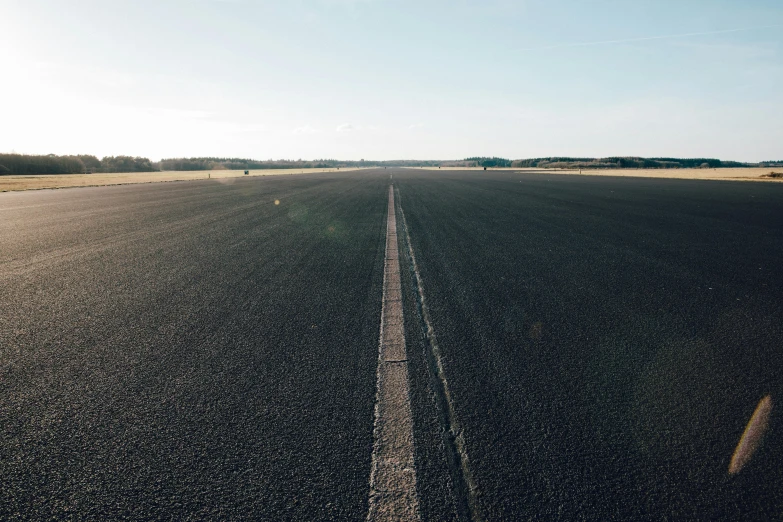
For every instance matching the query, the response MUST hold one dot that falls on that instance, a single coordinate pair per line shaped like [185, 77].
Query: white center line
[393, 475]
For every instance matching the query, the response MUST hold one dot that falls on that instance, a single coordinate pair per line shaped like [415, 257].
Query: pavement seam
[393, 474]
[465, 489]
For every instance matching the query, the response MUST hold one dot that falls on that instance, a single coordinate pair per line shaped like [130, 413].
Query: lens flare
[536, 331]
[751, 437]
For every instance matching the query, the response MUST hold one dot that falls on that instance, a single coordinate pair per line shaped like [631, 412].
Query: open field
[739, 174]
[10, 183]
[209, 350]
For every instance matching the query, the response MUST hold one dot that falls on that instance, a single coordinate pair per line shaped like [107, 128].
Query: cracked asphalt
[606, 340]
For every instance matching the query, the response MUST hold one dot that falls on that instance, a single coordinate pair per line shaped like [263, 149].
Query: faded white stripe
[393, 475]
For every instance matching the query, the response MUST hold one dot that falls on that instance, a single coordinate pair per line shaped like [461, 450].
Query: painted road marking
[463, 484]
[393, 475]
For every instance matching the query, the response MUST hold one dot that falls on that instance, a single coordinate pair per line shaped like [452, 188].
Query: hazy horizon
[352, 79]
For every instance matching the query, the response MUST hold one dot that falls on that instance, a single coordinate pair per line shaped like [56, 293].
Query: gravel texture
[190, 350]
[208, 349]
[606, 339]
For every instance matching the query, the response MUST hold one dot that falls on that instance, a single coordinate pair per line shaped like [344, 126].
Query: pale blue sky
[382, 79]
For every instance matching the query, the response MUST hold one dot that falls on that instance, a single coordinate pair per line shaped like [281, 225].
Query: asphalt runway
[606, 340]
[190, 350]
[208, 349]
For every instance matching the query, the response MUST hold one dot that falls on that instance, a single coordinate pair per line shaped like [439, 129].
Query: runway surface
[606, 340]
[190, 349]
[208, 349]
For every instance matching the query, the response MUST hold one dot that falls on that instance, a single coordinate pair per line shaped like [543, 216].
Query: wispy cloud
[306, 129]
[646, 38]
[346, 127]
[345, 3]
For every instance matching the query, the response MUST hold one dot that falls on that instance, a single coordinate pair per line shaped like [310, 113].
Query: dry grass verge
[9, 183]
[731, 174]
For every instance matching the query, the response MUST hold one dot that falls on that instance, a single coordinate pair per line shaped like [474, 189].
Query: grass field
[739, 174]
[36, 182]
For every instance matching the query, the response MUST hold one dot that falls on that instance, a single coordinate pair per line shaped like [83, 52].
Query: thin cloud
[346, 127]
[306, 129]
[415, 125]
[646, 38]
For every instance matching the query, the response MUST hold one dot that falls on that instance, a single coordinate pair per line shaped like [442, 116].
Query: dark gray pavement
[193, 350]
[190, 349]
[606, 339]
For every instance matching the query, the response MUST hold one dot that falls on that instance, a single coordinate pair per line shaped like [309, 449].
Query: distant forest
[249, 164]
[629, 163]
[51, 164]
[78, 164]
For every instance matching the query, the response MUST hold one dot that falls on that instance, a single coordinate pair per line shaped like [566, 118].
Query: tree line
[81, 164]
[78, 164]
[249, 164]
[628, 163]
